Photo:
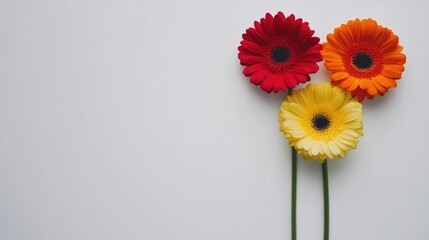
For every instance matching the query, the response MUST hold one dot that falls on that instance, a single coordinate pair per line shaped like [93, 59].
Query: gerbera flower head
[364, 58]
[321, 120]
[279, 52]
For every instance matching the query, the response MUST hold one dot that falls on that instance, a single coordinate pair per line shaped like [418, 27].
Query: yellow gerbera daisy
[321, 121]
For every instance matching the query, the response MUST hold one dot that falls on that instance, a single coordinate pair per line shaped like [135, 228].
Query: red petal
[296, 26]
[311, 56]
[267, 85]
[304, 32]
[258, 76]
[279, 23]
[251, 69]
[278, 83]
[306, 67]
[310, 42]
[259, 30]
[359, 94]
[246, 59]
[289, 22]
[251, 46]
[281, 16]
[296, 78]
[267, 24]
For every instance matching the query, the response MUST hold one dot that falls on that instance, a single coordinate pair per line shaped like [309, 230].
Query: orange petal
[348, 34]
[332, 39]
[394, 58]
[382, 35]
[364, 83]
[390, 44]
[392, 71]
[372, 90]
[342, 37]
[369, 29]
[354, 85]
[398, 49]
[335, 66]
[331, 56]
[355, 29]
[346, 83]
[339, 76]
[385, 81]
[331, 48]
[379, 86]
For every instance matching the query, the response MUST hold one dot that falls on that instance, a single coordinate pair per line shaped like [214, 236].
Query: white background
[132, 120]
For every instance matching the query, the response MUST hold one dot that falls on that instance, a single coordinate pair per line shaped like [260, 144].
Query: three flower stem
[325, 200]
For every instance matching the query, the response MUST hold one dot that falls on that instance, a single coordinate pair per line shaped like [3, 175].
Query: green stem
[294, 178]
[325, 200]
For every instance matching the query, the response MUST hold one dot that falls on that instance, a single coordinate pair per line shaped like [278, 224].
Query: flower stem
[325, 200]
[294, 178]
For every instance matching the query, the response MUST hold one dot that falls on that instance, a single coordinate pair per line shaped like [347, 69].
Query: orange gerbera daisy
[365, 58]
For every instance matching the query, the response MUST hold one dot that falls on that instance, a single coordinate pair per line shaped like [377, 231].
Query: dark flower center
[280, 54]
[320, 122]
[362, 61]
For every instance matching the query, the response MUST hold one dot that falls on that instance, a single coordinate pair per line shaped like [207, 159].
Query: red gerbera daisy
[279, 52]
